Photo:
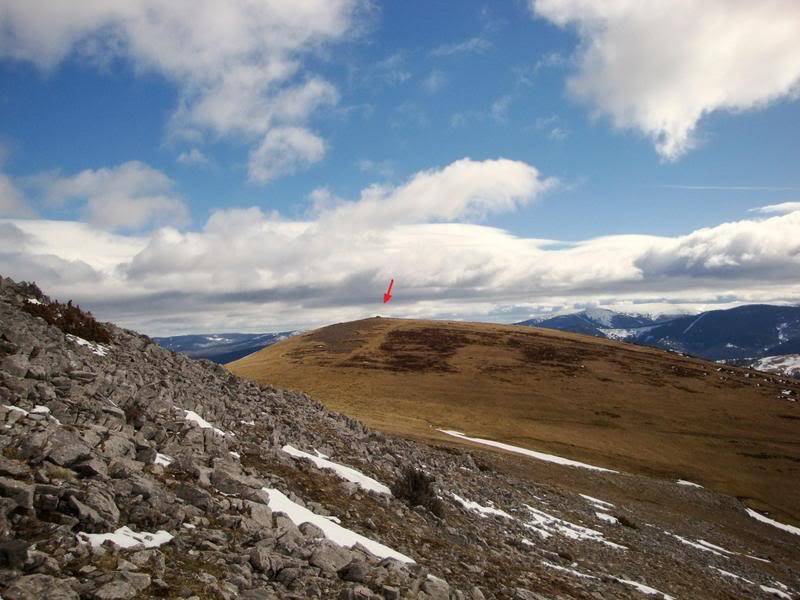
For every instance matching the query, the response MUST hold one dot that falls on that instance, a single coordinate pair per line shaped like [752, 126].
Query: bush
[415, 488]
[69, 318]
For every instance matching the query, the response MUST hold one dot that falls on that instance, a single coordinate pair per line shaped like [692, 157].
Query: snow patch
[606, 517]
[732, 575]
[552, 458]
[98, 349]
[645, 589]
[689, 483]
[201, 422]
[343, 471]
[279, 503]
[550, 565]
[546, 525]
[483, 511]
[764, 519]
[775, 592]
[163, 460]
[124, 537]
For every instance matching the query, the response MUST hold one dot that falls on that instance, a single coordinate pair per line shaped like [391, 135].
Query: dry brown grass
[611, 404]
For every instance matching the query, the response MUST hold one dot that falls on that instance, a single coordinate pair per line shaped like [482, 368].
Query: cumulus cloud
[238, 66]
[782, 208]
[284, 150]
[129, 196]
[250, 270]
[12, 202]
[659, 67]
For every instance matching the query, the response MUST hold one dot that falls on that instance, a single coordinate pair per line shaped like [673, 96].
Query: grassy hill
[633, 409]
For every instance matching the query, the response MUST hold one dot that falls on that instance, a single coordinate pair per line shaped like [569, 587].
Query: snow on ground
[699, 545]
[546, 525]
[279, 503]
[98, 349]
[645, 589]
[195, 418]
[163, 460]
[33, 301]
[483, 511]
[606, 517]
[552, 458]
[775, 592]
[550, 565]
[689, 483]
[787, 364]
[732, 575]
[124, 537]
[596, 502]
[764, 519]
[717, 548]
[343, 471]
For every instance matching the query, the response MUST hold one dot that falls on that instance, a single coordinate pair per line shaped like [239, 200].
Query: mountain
[128, 471]
[221, 347]
[750, 331]
[598, 322]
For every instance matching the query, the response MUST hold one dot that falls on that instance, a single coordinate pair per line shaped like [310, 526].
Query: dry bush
[415, 488]
[67, 317]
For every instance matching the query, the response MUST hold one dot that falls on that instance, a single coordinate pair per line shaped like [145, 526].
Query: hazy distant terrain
[745, 332]
[221, 347]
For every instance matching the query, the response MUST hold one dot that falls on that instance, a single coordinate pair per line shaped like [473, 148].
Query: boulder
[39, 587]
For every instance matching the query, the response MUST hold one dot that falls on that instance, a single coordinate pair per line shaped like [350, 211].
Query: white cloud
[500, 107]
[782, 208]
[283, 151]
[660, 67]
[238, 65]
[434, 82]
[473, 45]
[129, 196]
[193, 157]
[249, 270]
[12, 202]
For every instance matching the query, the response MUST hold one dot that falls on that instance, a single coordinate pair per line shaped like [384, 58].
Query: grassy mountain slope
[630, 408]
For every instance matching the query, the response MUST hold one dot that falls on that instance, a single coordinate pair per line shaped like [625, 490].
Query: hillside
[615, 405]
[129, 472]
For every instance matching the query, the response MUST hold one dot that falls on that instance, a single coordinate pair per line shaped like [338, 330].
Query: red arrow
[388, 295]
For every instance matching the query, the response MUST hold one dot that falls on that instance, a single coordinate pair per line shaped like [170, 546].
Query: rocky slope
[128, 471]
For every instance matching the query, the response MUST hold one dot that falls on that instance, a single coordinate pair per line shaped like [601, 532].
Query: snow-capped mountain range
[221, 347]
[741, 334]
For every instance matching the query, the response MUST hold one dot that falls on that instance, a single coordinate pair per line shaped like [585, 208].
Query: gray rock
[330, 557]
[124, 586]
[356, 570]
[16, 365]
[66, 448]
[21, 493]
[39, 587]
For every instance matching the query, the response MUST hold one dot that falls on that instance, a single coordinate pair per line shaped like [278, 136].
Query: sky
[261, 165]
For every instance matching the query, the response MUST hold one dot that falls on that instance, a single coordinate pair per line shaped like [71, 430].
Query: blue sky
[392, 91]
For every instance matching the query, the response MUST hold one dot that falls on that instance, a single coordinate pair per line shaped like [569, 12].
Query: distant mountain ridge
[221, 347]
[745, 332]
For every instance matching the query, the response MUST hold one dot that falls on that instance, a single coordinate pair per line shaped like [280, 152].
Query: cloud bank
[239, 66]
[660, 66]
[248, 270]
